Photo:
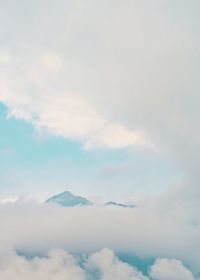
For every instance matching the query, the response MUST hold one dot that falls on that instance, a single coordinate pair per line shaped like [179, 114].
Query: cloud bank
[36, 229]
[103, 265]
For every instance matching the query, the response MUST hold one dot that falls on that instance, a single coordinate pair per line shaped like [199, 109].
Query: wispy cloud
[31, 91]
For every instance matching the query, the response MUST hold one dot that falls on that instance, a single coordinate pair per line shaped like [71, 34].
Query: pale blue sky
[37, 164]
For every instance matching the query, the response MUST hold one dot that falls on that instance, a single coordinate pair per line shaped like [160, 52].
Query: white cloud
[51, 61]
[136, 70]
[58, 265]
[170, 269]
[9, 200]
[28, 226]
[34, 96]
[5, 57]
[108, 74]
[110, 267]
[102, 265]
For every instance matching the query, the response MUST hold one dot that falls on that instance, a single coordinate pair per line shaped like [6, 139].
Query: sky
[100, 98]
[39, 164]
[94, 90]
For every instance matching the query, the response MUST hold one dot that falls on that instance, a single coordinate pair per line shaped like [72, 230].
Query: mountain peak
[67, 199]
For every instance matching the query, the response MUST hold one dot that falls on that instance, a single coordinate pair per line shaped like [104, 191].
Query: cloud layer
[103, 265]
[36, 228]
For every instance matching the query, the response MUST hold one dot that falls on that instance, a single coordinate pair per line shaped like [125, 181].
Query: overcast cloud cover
[109, 75]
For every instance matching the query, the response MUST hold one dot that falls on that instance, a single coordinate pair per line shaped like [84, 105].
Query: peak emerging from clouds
[67, 199]
[41, 227]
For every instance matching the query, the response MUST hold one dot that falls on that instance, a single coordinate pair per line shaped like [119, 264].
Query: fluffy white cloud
[110, 267]
[170, 269]
[102, 265]
[58, 265]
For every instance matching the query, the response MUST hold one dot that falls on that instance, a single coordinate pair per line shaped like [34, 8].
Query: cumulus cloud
[110, 267]
[57, 265]
[166, 269]
[102, 265]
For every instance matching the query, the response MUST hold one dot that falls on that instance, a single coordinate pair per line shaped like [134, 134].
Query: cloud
[32, 93]
[56, 266]
[110, 267]
[30, 227]
[114, 170]
[130, 79]
[5, 57]
[51, 62]
[9, 200]
[102, 265]
[108, 75]
[165, 269]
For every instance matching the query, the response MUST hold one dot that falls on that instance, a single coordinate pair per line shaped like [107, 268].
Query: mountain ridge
[67, 199]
